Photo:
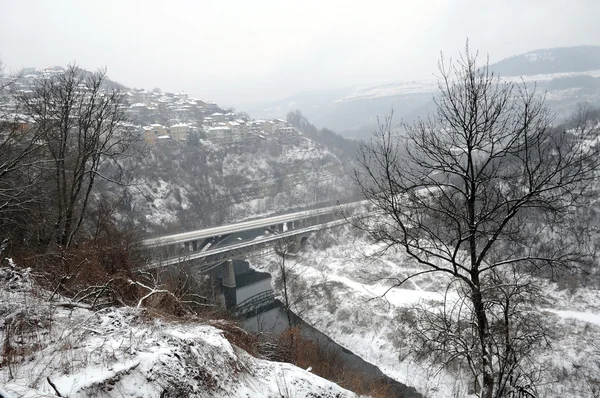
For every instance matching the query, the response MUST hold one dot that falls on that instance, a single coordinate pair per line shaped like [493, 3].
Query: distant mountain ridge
[568, 75]
[551, 60]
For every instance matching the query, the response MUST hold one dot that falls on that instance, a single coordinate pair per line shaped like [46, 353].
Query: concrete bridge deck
[238, 227]
[214, 257]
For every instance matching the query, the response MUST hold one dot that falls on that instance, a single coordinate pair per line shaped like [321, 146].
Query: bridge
[209, 248]
[256, 304]
[296, 219]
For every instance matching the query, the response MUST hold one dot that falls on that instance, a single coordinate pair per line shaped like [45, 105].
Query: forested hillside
[181, 187]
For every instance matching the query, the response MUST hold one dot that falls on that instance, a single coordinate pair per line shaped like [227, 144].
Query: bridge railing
[254, 303]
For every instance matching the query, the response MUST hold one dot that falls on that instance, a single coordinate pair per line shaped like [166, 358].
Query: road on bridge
[238, 227]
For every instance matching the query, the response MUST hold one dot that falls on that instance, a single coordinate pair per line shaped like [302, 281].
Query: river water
[267, 316]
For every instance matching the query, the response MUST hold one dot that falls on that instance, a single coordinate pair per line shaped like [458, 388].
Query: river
[265, 314]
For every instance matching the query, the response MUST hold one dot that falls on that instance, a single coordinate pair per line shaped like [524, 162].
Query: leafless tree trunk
[19, 161]
[294, 292]
[482, 187]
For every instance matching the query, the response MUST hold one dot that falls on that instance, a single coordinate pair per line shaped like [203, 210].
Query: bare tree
[483, 191]
[294, 290]
[19, 157]
[295, 294]
[82, 123]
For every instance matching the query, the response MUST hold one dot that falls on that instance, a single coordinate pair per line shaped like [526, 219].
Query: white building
[179, 132]
[220, 133]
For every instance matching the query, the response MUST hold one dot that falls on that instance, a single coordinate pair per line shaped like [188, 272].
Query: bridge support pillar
[229, 286]
[228, 274]
[298, 243]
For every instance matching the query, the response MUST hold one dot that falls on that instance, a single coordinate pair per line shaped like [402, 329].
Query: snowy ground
[127, 353]
[347, 305]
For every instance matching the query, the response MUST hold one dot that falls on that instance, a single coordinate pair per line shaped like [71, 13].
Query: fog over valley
[239, 53]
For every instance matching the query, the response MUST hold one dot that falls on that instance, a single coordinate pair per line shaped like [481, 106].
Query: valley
[197, 250]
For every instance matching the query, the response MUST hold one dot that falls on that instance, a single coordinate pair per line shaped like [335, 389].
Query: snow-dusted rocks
[123, 352]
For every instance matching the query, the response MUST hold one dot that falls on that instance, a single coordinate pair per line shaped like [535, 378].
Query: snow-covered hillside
[51, 348]
[183, 187]
[551, 60]
[431, 86]
[348, 304]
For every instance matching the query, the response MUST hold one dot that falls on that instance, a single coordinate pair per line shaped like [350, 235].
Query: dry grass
[326, 361]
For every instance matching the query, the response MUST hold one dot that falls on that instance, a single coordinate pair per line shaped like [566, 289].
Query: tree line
[61, 133]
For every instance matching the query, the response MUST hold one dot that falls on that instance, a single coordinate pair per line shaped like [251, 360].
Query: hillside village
[163, 117]
[175, 129]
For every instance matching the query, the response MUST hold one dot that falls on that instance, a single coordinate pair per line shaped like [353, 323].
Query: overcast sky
[239, 51]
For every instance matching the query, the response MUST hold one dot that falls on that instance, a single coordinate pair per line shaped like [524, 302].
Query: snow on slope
[582, 316]
[123, 352]
[186, 187]
[392, 89]
[431, 86]
[348, 307]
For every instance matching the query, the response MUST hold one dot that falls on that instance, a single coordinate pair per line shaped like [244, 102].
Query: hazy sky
[240, 51]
